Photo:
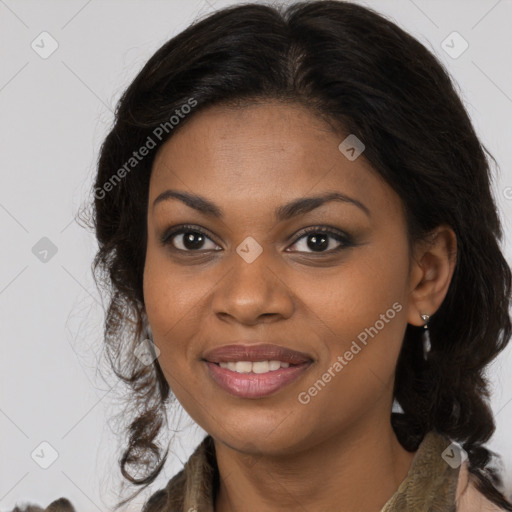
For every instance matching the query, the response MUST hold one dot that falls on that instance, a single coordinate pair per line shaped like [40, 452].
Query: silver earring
[149, 333]
[426, 336]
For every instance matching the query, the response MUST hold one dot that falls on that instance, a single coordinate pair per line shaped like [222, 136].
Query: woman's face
[243, 272]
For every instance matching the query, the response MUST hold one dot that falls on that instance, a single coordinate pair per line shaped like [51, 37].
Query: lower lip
[255, 385]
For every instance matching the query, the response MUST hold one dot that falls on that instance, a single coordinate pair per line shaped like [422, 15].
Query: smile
[258, 379]
[254, 367]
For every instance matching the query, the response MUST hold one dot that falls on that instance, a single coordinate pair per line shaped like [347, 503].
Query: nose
[253, 292]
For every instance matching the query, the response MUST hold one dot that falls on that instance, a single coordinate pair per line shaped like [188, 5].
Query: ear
[431, 273]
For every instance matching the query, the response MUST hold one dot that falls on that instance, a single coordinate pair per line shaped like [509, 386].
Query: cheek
[172, 308]
[363, 322]
[361, 310]
[357, 292]
[171, 304]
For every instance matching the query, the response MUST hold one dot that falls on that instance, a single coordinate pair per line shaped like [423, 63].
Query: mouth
[255, 371]
[256, 367]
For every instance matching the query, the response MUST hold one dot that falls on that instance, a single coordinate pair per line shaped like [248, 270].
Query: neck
[356, 470]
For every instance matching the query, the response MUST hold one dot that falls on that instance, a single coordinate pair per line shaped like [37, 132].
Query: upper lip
[261, 352]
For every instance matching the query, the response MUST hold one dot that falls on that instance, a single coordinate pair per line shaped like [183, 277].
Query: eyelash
[345, 239]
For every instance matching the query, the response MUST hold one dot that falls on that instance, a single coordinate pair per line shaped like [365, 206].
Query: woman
[295, 217]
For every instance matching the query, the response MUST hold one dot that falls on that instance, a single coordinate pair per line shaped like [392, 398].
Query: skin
[337, 452]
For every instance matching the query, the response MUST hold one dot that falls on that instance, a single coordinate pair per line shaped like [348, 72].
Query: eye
[190, 239]
[319, 238]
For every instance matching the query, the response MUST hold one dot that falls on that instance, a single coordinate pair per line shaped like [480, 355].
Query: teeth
[254, 367]
[261, 367]
[243, 366]
[274, 365]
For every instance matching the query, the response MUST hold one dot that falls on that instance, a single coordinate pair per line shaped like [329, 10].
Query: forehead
[260, 152]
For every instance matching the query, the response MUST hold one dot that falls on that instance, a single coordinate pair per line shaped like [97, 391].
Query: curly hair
[362, 73]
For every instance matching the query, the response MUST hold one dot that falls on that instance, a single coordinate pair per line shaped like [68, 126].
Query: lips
[264, 352]
[274, 368]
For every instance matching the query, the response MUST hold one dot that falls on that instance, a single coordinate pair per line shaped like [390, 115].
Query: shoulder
[468, 498]
[193, 487]
[168, 498]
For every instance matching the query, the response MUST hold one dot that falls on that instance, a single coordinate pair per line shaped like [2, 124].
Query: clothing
[431, 485]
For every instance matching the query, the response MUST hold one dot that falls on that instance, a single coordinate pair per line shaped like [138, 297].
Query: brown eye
[188, 239]
[320, 240]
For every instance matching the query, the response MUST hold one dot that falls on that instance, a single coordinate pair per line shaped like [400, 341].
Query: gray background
[55, 112]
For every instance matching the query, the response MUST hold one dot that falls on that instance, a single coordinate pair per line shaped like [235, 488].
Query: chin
[259, 433]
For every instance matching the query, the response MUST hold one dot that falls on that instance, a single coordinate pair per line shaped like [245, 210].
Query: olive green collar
[430, 484]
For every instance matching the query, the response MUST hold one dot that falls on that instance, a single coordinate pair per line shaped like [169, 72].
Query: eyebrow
[284, 212]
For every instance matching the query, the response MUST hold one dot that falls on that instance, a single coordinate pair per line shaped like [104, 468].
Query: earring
[426, 336]
[146, 327]
[149, 332]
